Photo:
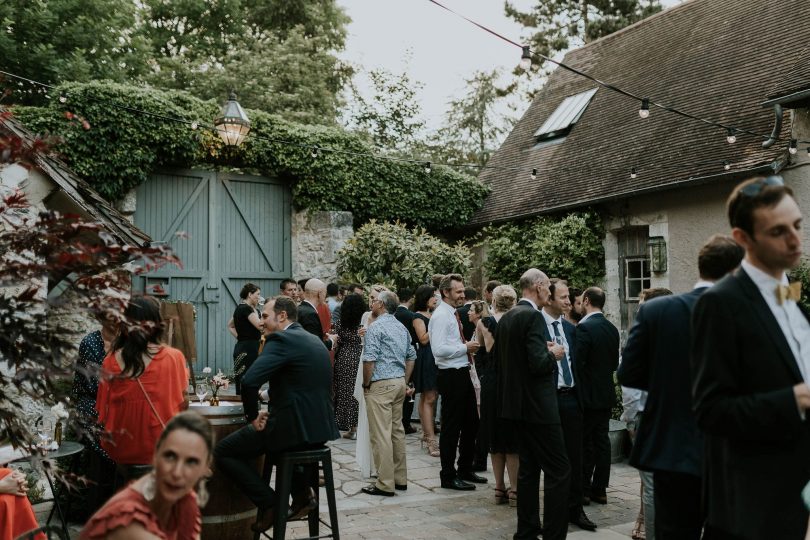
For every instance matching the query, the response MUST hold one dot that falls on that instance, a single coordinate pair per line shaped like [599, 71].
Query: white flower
[206, 370]
[59, 410]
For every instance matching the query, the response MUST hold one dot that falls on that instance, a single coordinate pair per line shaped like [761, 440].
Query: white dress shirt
[446, 342]
[549, 320]
[789, 317]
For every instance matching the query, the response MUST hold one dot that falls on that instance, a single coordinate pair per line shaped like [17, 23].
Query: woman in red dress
[16, 514]
[143, 385]
[163, 504]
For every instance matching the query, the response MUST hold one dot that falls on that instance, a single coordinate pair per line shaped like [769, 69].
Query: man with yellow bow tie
[750, 367]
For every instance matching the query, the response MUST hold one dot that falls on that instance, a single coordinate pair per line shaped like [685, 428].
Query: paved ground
[426, 511]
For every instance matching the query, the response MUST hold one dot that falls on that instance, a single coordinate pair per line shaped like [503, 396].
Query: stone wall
[316, 239]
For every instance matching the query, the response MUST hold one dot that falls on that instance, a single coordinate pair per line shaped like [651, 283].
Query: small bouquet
[215, 383]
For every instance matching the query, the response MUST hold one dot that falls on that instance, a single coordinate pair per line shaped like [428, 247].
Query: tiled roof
[796, 80]
[716, 59]
[79, 191]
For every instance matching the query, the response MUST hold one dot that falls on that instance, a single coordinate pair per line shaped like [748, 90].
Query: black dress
[501, 434]
[247, 343]
[425, 370]
[347, 358]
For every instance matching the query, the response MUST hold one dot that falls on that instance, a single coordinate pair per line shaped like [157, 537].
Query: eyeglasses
[752, 190]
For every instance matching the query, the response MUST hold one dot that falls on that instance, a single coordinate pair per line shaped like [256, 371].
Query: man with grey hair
[314, 296]
[388, 359]
[527, 403]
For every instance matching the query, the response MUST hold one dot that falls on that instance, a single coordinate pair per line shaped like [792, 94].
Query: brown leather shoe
[264, 521]
[300, 509]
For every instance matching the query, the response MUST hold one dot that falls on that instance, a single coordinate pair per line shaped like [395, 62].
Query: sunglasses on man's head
[752, 190]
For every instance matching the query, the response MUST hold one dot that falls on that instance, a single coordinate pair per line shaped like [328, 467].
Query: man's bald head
[315, 291]
[534, 286]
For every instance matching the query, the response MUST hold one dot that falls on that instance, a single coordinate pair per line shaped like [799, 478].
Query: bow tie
[789, 292]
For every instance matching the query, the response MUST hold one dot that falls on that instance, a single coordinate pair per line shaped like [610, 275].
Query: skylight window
[564, 117]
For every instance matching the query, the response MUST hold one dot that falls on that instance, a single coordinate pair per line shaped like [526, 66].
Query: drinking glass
[45, 433]
[201, 390]
[411, 397]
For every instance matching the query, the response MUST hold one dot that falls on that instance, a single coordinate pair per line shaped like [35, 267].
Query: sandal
[433, 448]
[638, 531]
[501, 496]
[512, 498]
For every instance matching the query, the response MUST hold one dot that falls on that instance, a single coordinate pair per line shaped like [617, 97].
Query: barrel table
[228, 514]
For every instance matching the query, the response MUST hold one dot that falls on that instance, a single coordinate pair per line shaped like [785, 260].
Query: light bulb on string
[633, 173]
[808, 151]
[727, 165]
[534, 174]
[314, 153]
[194, 125]
[526, 59]
[427, 167]
[644, 111]
[731, 138]
[794, 146]
[62, 98]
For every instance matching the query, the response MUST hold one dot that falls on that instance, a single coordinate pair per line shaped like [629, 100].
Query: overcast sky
[445, 49]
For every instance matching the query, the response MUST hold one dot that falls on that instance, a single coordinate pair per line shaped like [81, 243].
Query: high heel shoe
[501, 496]
[512, 495]
[432, 446]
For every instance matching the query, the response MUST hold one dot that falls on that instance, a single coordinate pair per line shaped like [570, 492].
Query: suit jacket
[309, 319]
[656, 359]
[467, 328]
[300, 376]
[527, 375]
[757, 457]
[405, 316]
[597, 355]
[570, 332]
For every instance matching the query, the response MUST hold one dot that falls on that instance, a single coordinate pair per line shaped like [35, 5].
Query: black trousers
[407, 412]
[678, 510]
[234, 454]
[459, 421]
[542, 447]
[571, 421]
[595, 451]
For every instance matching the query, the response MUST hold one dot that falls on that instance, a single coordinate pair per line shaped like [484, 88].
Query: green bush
[121, 148]
[802, 273]
[568, 247]
[396, 256]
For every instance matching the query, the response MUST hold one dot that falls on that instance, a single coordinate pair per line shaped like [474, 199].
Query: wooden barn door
[228, 230]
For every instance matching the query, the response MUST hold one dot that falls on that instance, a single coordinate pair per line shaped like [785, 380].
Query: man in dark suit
[560, 331]
[300, 416]
[308, 318]
[597, 356]
[404, 315]
[527, 399]
[656, 359]
[468, 328]
[750, 367]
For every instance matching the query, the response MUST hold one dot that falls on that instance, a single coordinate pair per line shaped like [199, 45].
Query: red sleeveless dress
[16, 514]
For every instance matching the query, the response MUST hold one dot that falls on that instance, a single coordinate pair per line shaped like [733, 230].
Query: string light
[794, 146]
[731, 138]
[194, 125]
[633, 173]
[534, 174]
[62, 98]
[727, 165]
[644, 111]
[427, 167]
[808, 151]
[526, 58]
[314, 153]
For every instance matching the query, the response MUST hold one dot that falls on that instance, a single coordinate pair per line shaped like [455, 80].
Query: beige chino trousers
[384, 406]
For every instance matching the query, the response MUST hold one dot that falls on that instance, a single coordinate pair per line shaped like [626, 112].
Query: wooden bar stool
[284, 469]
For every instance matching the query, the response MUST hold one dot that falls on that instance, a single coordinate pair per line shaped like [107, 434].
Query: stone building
[661, 182]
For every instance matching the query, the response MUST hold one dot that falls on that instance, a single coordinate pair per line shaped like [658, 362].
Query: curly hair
[351, 311]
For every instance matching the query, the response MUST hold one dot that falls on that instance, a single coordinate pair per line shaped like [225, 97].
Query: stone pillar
[317, 236]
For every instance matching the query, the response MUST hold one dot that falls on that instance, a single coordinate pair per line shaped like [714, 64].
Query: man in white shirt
[750, 367]
[453, 355]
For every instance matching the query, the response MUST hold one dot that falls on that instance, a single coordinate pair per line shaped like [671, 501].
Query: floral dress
[347, 358]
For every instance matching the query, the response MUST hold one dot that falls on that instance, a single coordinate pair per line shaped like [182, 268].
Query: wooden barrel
[228, 514]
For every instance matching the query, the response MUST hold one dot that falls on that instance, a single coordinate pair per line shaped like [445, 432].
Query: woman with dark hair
[425, 370]
[347, 359]
[166, 502]
[143, 385]
[245, 326]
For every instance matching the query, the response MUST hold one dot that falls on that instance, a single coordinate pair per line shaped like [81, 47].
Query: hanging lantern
[234, 125]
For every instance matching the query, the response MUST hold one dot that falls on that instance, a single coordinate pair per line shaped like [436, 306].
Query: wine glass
[201, 389]
[45, 433]
[411, 397]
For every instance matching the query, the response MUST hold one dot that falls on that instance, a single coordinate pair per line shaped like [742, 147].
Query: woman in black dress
[503, 441]
[245, 326]
[425, 370]
[347, 359]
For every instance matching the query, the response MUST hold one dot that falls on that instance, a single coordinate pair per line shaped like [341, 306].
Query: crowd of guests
[714, 386]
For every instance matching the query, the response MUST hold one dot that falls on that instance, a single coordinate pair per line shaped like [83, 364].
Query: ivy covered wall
[116, 149]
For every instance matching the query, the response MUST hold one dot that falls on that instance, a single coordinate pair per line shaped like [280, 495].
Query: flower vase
[214, 401]
[57, 433]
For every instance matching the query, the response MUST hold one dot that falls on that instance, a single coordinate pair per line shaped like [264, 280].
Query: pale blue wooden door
[227, 229]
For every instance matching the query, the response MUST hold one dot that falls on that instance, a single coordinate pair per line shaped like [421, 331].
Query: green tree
[558, 25]
[391, 117]
[473, 125]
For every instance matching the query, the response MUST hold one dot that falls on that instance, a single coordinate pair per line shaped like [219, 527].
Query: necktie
[789, 292]
[566, 370]
[461, 334]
